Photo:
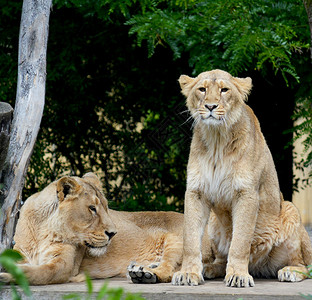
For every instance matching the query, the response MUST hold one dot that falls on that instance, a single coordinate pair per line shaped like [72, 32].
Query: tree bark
[28, 111]
[308, 7]
[6, 112]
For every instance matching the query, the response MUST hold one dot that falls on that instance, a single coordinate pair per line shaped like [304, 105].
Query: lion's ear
[186, 84]
[93, 179]
[243, 85]
[66, 187]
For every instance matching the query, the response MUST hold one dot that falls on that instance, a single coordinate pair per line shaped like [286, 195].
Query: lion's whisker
[188, 119]
[196, 120]
[183, 112]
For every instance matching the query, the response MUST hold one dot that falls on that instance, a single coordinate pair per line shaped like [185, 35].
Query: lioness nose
[110, 234]
[211, 107]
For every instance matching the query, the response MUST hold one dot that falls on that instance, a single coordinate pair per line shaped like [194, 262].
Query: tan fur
[232, 183]
[146, 238]
[56, 223]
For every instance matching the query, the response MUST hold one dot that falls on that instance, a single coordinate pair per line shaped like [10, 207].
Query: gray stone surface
[213, 289]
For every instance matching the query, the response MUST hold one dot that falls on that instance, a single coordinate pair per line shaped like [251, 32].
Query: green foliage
[303, 127]
[234, 35]
[8, 259]
[104, 293]
[107, 112]
[111, 109]
[237, 36]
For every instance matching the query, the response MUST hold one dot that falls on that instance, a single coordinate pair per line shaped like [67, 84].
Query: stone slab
[265, 289]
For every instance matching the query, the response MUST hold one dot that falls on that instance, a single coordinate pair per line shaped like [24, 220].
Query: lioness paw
[78, 278]
[154, 265]
[236, 280]
[183, 278]
[6, 278]
[290, 274]
[138, 274]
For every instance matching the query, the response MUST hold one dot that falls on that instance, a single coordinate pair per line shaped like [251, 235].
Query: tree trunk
[28, 111]
[6, 112]
[308, 7]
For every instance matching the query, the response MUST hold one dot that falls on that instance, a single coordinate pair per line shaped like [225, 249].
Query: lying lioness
[67, 229]
[232, 183]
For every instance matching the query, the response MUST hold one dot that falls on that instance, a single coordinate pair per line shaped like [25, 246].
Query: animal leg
[163, 271]
[81, 277]
[299, 258]
[57, 269]
[195, 219]
[237, 274]
[6, 278]
[292, 274]
[140, 274]
[298, 246]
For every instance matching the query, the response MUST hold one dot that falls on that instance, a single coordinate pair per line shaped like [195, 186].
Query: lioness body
[145, 238]
[65, 230]
[232, 182]
[57, 225]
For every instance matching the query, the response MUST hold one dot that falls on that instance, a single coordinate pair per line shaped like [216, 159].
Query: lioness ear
[66, 187]
[92, 178]
[186, 84]
[243, 85]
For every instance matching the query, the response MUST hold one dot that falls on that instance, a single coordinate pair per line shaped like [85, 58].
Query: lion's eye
[202, 89]
[224, 90]
[92, 208]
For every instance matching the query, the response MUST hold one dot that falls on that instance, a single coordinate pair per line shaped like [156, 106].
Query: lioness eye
[92, 208]
[202, 89]
[224, 90]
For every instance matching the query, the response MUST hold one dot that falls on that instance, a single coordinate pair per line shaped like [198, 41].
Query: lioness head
[215, 97]
[83, 213]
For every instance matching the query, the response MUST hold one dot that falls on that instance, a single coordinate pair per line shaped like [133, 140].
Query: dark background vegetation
[113, 104]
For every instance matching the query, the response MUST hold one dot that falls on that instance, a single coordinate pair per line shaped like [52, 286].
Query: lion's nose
[110, 234]
[211, 107]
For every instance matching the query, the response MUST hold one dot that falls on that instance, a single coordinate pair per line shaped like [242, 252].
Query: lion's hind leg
[297, 269]
[299, 250]
[292, 273]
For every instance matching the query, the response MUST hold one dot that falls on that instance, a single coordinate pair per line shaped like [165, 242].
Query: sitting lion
[232, 182]
[66, 230]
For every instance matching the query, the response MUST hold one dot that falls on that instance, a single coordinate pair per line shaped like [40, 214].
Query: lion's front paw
[139, 274]
[239, 280]
[6, 278]
[183, 278]
[291, 274]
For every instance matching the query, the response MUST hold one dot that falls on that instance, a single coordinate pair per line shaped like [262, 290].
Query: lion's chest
[216, 177]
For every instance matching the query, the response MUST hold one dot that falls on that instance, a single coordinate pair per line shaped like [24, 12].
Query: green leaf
[102, 291]
[8, 260]
[89, 284]
[72, 296]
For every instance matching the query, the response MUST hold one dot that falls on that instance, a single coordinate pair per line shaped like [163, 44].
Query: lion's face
[83, 211]
[215, 97]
